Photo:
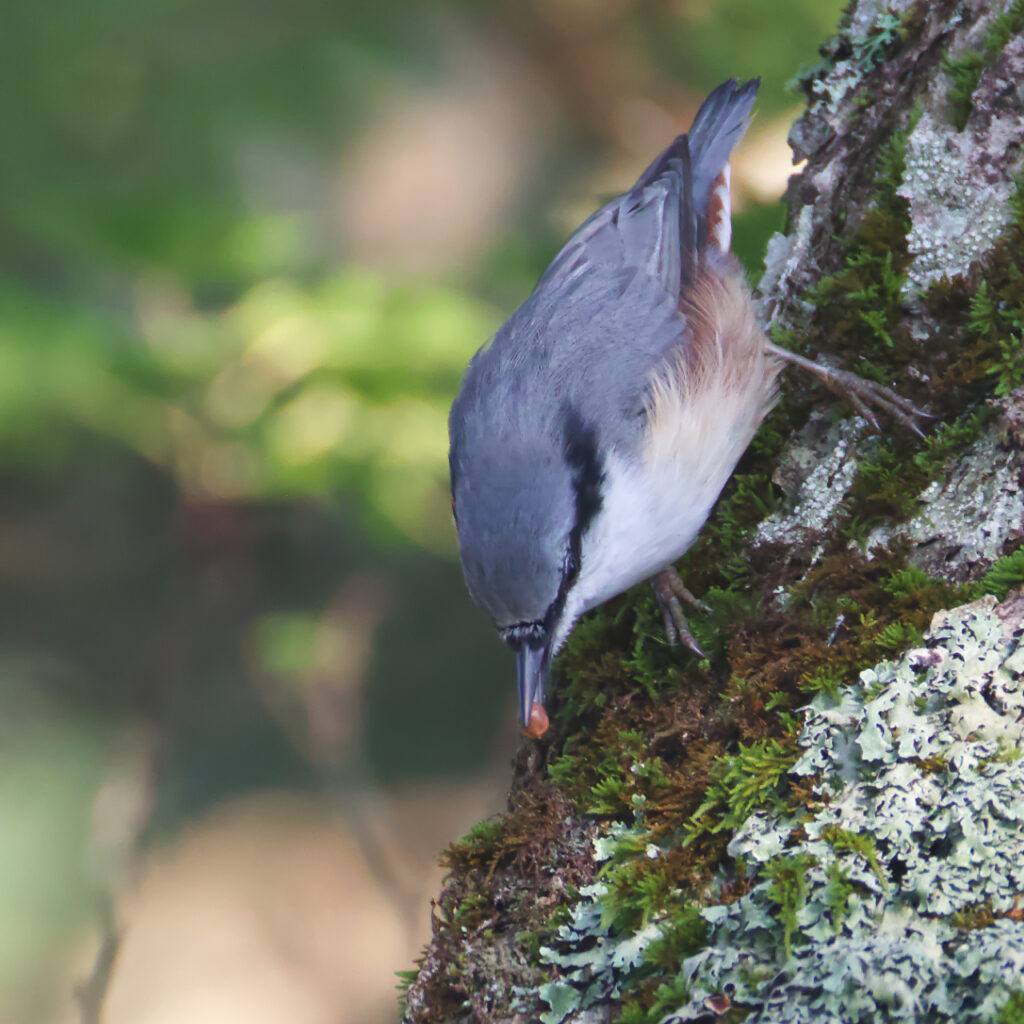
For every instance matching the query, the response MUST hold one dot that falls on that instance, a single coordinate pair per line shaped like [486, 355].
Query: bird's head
[521, 510]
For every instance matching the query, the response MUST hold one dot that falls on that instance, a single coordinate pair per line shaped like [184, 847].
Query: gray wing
[607, 312]
[658, 225]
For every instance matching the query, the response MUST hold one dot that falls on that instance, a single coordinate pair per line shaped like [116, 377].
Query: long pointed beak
[532, 666]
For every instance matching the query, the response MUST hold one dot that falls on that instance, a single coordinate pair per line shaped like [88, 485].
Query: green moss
[511, 880]
[894, 637]
[868, 607]
[838, 891]
[859, 308]
[484, 834]
[625, 786]
[844, 841]
[482, 846]
[637, 893]
[949, 440]
[994, 322]
[636, 1012]
[683, 934]
[1005, 574]
[964, 75]
[787, 886]
[740, 782]
[977, 916]
[470, 911]
[890, 480]
[405, 980]
[620, 780]
[1013, 1011]
[906, 581]
[826, 679]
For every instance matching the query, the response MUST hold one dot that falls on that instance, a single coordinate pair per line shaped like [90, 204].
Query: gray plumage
[565, 382]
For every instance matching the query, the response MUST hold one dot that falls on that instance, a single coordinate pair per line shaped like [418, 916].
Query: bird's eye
[532, 633]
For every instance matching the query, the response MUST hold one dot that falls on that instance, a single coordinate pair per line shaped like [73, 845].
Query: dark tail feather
[718, 126]
[695, 167]
[721, 121]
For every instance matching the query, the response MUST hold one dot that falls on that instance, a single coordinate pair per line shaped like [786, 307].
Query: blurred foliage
[745, 39]
[293, 390]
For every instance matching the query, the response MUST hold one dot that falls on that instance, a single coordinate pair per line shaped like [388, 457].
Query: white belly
[648, 519]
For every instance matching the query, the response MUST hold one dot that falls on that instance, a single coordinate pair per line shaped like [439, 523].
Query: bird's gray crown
[524, 493]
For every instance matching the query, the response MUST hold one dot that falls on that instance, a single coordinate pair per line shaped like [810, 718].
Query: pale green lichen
[918, 761]
[965, 519]
[895, 897]
[879, 15]
[593, 962]
[957, 211]
[816, 472]
[871, 28]
[963, 156]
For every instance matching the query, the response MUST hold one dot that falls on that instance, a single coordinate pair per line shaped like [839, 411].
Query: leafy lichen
[865, 907]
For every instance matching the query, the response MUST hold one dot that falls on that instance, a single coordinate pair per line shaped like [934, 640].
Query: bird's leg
[669, 588]
[865, 395]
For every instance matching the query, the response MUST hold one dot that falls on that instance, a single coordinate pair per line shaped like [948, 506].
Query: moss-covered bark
[683, 845]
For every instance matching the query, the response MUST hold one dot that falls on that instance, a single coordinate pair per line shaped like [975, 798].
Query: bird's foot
[865, 395]
[669, 589]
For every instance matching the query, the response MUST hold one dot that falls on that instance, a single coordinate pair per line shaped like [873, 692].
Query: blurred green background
[246, 250]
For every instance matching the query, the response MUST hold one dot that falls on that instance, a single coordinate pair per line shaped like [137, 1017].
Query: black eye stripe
[533, 634]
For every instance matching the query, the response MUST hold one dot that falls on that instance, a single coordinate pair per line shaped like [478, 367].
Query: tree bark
[823, 820]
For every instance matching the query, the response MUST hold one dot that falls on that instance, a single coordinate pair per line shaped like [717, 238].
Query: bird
[593, 434]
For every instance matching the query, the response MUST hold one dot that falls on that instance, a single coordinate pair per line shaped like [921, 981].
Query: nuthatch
[594, 433]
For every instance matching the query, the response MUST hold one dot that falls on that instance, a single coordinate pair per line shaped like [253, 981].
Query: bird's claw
[669, 588]
[865, 395]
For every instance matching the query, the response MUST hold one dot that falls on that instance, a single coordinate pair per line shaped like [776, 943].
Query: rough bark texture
[823, 820]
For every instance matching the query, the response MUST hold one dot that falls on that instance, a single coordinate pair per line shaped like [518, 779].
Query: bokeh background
[246, 249]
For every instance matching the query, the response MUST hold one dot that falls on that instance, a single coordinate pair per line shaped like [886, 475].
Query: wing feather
[611, 309]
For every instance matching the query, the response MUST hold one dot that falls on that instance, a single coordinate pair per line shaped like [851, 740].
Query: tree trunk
[824, 820]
